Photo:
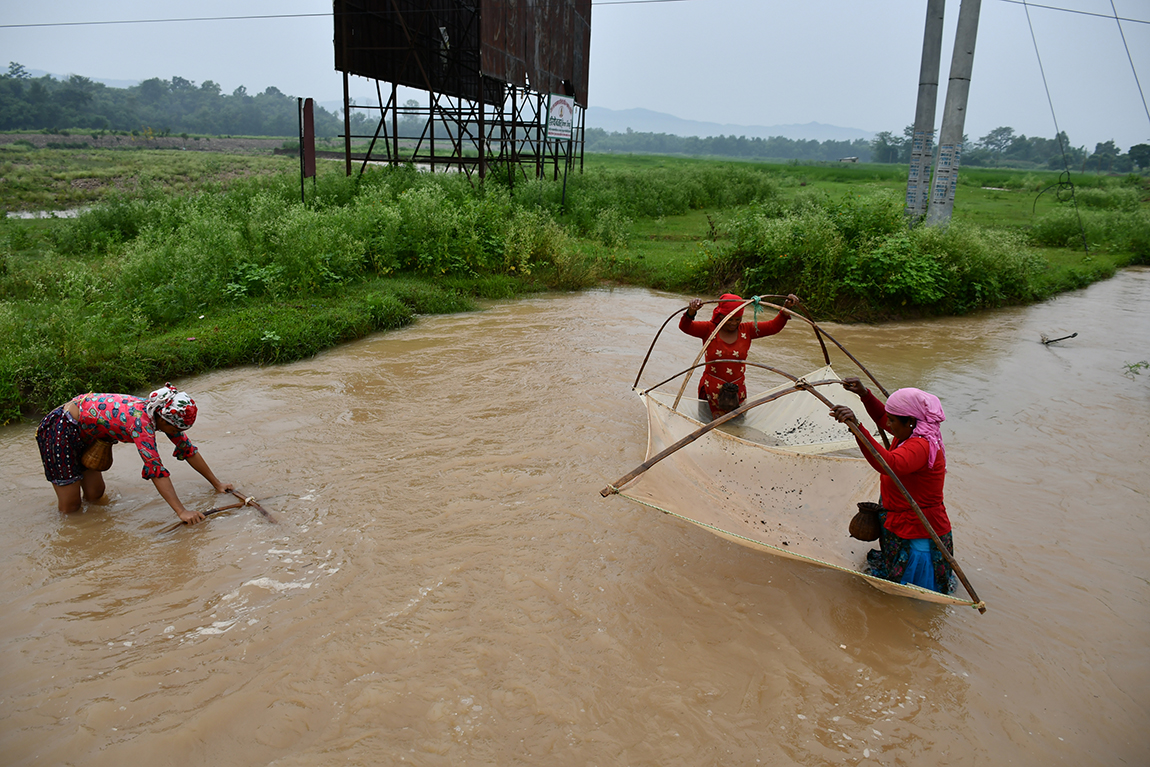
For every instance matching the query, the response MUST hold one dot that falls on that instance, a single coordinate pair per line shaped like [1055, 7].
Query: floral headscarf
[926, 409]
[175, 406]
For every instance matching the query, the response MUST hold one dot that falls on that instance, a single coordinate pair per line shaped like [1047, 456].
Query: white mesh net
[783, 478]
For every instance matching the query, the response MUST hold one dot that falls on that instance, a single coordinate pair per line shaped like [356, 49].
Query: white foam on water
[274, 585]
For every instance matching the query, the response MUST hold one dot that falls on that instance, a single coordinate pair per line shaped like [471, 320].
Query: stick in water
[249, 500]
[245, 500]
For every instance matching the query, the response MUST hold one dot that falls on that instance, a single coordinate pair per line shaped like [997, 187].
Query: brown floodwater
[446, 585]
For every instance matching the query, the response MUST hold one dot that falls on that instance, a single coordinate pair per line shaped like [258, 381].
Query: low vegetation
[159, 280]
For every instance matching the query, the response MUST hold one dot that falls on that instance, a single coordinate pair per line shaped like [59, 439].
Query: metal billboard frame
[485, 69]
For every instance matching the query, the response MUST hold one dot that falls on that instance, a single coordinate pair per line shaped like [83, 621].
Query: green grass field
[219, 249]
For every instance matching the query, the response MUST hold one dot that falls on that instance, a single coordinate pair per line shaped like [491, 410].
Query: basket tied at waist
[98, 455]
[866, 524]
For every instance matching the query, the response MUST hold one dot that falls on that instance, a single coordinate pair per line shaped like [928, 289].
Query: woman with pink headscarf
[70, 429]
[917, 456]
[723, 384]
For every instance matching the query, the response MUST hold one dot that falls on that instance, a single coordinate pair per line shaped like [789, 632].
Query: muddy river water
[446, 586]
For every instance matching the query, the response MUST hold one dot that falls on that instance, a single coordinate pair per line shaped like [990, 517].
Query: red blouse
[715, 375]
[908, 461]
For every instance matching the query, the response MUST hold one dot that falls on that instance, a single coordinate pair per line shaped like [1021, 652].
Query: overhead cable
[1135, 71]
[1073, 10]
[1064, 179]
[318, 15]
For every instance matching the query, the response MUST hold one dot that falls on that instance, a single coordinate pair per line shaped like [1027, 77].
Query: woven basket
[728, 398]
[865, 525]
[98, 456]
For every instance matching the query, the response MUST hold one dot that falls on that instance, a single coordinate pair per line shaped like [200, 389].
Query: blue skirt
[912, 560]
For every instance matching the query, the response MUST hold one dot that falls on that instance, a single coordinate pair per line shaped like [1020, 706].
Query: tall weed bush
[1116, 229]
[534, 239]
[652, 192]
[856, 256]
[1112, 198]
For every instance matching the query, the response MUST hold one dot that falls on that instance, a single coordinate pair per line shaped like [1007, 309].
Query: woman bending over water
[70, 429]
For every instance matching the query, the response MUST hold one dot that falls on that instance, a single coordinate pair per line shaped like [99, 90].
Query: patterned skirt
[890, 560]
[60, 447]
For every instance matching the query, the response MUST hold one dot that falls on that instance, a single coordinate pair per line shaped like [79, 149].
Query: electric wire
[599, 3]
[251, 17]
[1073, 10]
[1131, 58]
[1064, 179]
[636, 2]
[165, 21]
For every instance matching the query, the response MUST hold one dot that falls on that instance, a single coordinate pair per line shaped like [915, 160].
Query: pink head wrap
[926, 409]
[175, 406]
[727, 303]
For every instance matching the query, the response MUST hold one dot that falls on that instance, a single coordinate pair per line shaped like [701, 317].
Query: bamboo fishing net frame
[757, 301]
[798, 384]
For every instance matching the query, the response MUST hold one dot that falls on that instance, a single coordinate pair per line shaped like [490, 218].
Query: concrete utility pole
[922, 140]
[954, 116]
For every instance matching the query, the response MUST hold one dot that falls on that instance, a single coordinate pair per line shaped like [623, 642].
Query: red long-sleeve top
[908, 460]
[717, 374]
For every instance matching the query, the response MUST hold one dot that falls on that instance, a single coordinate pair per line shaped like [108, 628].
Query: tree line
[163, 106]
[179, 106]
[774, 148]
[1003, 147]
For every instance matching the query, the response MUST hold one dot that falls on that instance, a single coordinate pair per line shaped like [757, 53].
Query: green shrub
[1115, 229]
[1060, 228]
[867, 217]
[430, 233]
[534, 238]
[1112, 198]
[856, 256]
[896, 270]
[982, 268]
[612, 228]
[100, 228]
[798, 252]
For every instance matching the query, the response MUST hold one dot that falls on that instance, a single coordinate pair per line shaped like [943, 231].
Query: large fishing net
[784, 478]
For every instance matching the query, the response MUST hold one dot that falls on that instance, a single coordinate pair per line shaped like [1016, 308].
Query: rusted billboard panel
[540, 43]
[444, 46]
[432, 45]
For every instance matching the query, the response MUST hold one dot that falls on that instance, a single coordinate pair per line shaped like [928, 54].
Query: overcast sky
[848, 63]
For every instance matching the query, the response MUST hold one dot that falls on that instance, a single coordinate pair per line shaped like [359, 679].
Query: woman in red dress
[731, 343]
[917, 456]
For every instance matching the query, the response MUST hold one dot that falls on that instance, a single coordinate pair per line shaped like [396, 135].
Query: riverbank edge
[279, 332]
[257, 333]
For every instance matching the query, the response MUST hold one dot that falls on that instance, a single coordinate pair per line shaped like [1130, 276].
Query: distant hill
[647, 121]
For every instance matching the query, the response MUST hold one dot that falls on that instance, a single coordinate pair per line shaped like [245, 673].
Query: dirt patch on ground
[74, 140]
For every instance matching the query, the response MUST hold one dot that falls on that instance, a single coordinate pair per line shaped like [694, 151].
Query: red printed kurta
[715, 374]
